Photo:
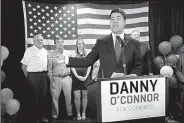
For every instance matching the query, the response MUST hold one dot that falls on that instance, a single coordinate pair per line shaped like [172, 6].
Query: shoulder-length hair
[84, 48]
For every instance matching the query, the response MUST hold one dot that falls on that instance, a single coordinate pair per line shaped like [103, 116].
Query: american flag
[72, 21]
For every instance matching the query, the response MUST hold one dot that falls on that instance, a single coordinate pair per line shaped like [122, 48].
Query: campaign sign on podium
[134, 98]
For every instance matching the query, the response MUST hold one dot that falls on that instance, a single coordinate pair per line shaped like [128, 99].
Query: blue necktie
[117, 48]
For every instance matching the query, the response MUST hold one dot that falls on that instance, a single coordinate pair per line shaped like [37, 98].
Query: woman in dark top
[79, 77]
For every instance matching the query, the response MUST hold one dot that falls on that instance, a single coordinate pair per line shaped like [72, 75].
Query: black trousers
[38, 84]
[173, 106]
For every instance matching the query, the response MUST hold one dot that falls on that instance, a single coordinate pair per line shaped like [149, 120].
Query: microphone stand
[102, 72]
[93, 81]
[124, 65]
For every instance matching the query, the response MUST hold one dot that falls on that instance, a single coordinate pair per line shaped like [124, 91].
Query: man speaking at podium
[119, 55]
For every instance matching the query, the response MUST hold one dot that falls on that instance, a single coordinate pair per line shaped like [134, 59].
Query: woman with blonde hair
[80, 76]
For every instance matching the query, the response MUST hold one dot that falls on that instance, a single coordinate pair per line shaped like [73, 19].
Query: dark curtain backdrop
[165, 20]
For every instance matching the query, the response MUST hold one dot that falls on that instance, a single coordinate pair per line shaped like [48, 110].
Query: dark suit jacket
[104, 50]
[147, 59]
[180, 71]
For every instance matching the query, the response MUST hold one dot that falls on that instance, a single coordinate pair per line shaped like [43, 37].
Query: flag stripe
[68, 47]
[144, 35]
[108, 31]
[84, 37]
[104, 6]
[50, 48]
[107, 12]
[94, 26]
[106, 17]
[73, 42]
[107, 22]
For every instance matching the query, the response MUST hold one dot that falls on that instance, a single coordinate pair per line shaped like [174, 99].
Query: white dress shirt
[114, 37]
[35, 59]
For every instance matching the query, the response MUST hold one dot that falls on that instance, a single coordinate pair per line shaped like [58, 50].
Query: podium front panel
[132, 98]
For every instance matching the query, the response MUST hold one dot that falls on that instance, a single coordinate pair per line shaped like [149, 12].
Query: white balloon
[166, 71]
[4, 52]
[12, 106]
[1, 62]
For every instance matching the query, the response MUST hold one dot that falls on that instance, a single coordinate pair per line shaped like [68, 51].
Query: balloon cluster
[8, 104]
[4, 55]
[170, 51]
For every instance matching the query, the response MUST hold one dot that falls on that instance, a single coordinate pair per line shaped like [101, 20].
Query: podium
[128, 98]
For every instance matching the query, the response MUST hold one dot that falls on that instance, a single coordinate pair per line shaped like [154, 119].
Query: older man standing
[34, 66]
[145, 54]
[60, 79]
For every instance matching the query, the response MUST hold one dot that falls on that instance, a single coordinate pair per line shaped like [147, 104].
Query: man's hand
[53, 84]
[150, 74]
[24, 68]
[131, 75]
[114, 75]
[66, 60]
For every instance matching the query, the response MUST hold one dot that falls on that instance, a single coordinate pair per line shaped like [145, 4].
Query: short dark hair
[119, 10]
[56, 39]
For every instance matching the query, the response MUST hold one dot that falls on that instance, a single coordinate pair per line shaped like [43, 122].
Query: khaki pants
[64, 84]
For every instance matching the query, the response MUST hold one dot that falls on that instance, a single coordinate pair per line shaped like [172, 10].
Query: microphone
[125, 42]
[94, 80]
[100, 71]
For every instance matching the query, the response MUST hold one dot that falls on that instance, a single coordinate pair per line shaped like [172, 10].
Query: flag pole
[25, 22]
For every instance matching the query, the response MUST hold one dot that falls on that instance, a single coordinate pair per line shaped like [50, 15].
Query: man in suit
[109, 49]
[145, 54]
